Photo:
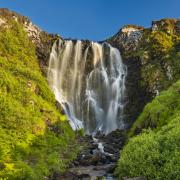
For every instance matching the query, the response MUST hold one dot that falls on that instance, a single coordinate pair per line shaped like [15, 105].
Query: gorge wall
[153, 50]
[150, 55]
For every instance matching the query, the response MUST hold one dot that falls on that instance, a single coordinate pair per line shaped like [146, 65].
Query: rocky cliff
[152, 57]
[153, 60]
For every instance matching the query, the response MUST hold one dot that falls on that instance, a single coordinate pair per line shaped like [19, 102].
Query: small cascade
[88, 80]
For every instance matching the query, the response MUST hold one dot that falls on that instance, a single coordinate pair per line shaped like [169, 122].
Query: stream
[88, 80]
[98, 159]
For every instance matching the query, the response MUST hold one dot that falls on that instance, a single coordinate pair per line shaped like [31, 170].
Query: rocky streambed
[98, 158]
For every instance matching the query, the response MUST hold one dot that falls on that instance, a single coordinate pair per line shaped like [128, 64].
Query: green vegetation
[34, 136]
[159, 53]
[155, 153]
[159, 111]
[158, 43]
[163, 52]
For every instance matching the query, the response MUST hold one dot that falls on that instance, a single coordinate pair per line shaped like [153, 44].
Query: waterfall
[88, 80]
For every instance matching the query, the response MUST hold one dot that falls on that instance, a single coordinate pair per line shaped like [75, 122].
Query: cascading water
[88, 80]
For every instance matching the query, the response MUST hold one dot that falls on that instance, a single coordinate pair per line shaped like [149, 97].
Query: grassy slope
[34, 136]
[157, 113]
[155, 153]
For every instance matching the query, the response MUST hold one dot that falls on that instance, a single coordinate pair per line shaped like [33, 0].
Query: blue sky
[92, 19]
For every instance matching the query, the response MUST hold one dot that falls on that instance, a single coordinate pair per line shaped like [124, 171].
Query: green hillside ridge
[34, 137]
[155, 152]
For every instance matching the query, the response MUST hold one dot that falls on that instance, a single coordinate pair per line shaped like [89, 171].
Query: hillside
[35, 138]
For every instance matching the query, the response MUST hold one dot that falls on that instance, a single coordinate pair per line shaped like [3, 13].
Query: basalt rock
[98, 158]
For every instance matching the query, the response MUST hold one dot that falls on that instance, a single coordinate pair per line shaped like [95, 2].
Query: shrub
[154, 153]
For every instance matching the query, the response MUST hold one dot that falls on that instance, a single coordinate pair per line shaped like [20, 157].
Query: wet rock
[109, 168]
[89, 172]
[110, 149]
[113, 158]
[59, 107]
[95, 161]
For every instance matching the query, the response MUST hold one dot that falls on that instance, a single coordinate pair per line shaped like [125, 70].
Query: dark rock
[59, 107]
[109, 168]
[110, 149]
[97, 158]
[76, 163]
[113, 158]
[127, 38]
[89, 172]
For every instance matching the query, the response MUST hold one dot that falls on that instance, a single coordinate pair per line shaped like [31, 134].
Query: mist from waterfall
[88, 80]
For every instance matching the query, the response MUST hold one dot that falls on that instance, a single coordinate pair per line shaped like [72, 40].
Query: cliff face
[152, 58]
[129, 37]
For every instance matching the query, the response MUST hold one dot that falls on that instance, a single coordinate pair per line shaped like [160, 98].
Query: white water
[89, 82]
